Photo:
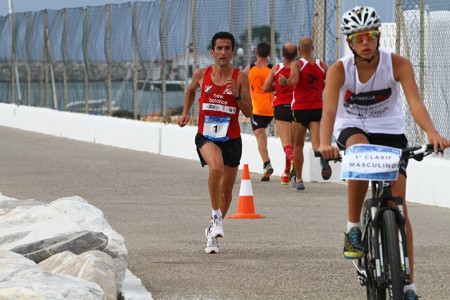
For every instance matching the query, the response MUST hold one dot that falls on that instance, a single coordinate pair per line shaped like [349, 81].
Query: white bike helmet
[359, 18]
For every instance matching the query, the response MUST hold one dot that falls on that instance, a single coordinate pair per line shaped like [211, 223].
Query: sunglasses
[359, 37]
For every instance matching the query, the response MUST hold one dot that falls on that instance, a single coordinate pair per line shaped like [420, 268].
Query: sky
[386, 11]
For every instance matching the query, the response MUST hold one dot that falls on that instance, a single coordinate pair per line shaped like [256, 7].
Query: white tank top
[374, 106]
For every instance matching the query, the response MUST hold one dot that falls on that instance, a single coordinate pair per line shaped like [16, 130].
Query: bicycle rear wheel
[392, 264]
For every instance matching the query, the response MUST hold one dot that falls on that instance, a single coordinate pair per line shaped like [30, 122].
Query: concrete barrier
[427, 180]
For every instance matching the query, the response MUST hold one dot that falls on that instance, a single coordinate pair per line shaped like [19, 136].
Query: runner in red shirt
[308, 77]
[224, 92]
[282, 104]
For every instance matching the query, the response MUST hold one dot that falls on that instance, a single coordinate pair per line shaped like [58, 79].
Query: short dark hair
[263, 49]
[223, 35]
[289, 55]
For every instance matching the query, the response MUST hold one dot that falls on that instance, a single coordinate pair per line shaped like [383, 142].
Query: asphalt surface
[160, 205]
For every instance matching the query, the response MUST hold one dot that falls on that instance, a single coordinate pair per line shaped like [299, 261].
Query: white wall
[427, 181]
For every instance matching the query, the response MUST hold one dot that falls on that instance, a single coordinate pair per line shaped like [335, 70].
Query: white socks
[351, 225]
[217, 212]
[410, 287]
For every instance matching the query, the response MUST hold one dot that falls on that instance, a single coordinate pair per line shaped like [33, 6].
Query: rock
[94, 266]
[77, 243]
[21, 278]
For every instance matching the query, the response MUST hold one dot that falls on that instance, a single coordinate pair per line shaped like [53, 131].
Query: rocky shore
[65, 249]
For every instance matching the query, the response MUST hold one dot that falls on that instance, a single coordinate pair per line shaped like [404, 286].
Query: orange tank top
[262, 102]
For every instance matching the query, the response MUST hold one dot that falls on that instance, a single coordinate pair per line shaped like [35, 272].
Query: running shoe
[410, 295]
[298, 185]
[212, 245]
[292, 171]
[352, 244]
[267, 171]
[216, 228]
[285, 179]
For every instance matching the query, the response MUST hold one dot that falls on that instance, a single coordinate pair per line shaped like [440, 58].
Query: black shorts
[231, 150]
[260, 121]
[306, 116]
[398, 141]
[283, 112]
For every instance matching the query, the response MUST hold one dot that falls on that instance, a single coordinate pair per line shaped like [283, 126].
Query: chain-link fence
[135, 59]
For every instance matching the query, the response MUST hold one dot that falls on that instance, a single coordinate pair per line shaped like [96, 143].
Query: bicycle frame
[381, 201]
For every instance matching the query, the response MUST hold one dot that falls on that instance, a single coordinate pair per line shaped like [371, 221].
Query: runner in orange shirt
[262, 104]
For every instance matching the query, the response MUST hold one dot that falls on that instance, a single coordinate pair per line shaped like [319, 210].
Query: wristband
[285, 82]
[238, 97]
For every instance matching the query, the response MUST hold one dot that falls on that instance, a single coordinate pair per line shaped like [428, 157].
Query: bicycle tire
[368, 260]
[392, 264]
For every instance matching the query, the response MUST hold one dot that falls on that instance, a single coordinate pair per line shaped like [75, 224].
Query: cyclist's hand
[328, 151]
[438, 141]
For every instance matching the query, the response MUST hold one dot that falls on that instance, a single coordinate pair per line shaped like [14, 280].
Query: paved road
[160, 206]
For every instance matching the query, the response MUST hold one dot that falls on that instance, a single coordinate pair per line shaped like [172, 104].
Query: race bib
[216, 128]
[370, 162]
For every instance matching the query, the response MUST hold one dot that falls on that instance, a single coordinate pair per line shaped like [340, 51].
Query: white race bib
[216, 128]
[370, 162]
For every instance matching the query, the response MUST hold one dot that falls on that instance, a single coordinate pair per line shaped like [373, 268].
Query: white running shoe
[216, 227]
[212, 246]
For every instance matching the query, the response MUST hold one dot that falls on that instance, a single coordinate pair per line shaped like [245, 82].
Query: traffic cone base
[246, 207]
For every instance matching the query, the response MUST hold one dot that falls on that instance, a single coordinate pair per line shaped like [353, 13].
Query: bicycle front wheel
[391, 251]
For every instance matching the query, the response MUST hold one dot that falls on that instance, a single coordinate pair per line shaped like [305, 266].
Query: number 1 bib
[216, 128]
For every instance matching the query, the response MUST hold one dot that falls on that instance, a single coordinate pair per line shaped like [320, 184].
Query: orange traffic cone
[246, 207]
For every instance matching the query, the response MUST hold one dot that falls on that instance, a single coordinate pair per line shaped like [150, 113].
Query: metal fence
[135, 59]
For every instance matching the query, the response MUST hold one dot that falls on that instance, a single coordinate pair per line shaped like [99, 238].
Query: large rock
[37, 221]
[21, 278]
[95, 266]
[77, 243]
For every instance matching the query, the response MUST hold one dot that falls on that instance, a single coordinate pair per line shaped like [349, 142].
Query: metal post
[165, 117]
[86, 60]
[272, 32]
[49, 59]
[249, 31]
[15, 68]
[338, 29]
[108, 57]
[135, 73]
[28, 37]
[64, 46]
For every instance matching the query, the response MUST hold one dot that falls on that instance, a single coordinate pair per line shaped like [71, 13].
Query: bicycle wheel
[368, 260]
[392, 264]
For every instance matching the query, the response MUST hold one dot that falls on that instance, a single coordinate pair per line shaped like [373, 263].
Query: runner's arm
[189, 96]
[294, 77]
[245, 102]
[269, 84]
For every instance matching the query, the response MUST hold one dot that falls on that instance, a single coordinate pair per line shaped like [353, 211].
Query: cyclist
[362, 105]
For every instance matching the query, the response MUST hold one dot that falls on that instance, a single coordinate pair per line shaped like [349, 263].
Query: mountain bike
[384, 268]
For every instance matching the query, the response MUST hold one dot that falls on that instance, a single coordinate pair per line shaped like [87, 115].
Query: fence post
[249, 31]
[28, 37]
[165, 116]
[64, 52]
[86, 60]
[338, 29]
[272, 32]
[49, 59]
[108, 57]
[135, 79]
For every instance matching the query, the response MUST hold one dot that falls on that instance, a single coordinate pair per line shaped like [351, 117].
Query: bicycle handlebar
[416, 152]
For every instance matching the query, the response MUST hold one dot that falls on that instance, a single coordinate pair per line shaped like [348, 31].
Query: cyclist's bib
[370, 162]
[216, 128]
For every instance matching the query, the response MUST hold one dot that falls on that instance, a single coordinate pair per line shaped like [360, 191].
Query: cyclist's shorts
[390, 140]
[283, 112]
[306, 116]
[231, 150]
[260, 121]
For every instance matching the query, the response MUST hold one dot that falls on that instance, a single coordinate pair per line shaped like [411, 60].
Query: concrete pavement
[160, 205]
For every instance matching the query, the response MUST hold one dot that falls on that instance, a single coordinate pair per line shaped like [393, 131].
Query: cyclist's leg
[357, 189]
